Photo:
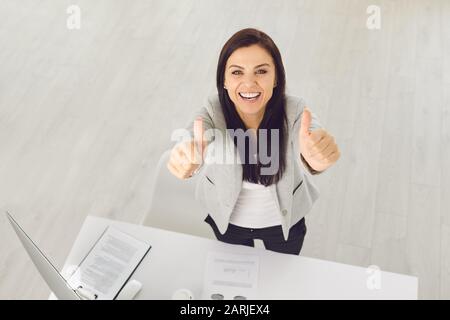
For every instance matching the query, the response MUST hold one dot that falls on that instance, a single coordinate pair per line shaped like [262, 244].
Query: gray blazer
[219, 184]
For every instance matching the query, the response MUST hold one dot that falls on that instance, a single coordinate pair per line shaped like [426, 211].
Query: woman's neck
[252, 121]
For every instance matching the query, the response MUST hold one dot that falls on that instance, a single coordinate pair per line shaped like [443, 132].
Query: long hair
[275, 112]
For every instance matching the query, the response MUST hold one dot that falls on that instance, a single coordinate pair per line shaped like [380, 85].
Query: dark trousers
[272, 236]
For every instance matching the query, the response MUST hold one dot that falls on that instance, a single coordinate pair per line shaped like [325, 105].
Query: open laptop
[51, 275]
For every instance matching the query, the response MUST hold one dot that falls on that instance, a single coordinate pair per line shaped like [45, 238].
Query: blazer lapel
[229, 182]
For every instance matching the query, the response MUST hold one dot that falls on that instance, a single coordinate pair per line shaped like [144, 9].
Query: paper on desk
[231, 275]
[109, 264]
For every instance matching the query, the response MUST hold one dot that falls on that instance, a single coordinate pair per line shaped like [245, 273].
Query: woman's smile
[250, 97]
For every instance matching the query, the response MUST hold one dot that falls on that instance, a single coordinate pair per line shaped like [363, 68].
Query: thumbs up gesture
[187, 156]
[318, 147]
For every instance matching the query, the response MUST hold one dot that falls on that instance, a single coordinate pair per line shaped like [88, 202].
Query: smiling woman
[251, 84]
[243, 202]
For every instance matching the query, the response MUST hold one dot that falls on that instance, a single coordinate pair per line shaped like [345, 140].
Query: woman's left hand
[318, 147]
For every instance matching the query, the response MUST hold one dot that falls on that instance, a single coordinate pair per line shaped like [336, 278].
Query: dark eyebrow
[259, 65]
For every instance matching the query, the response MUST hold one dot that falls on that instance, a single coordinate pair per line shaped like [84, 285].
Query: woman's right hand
[187, 156]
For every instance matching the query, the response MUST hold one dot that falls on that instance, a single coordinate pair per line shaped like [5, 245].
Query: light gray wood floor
[85, 114]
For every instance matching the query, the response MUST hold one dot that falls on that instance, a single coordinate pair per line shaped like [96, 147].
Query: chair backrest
[173, 205]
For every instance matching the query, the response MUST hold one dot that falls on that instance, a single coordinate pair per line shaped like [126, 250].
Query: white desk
[178, 261]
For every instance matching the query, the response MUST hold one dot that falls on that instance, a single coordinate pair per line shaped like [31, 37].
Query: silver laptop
[54, 279]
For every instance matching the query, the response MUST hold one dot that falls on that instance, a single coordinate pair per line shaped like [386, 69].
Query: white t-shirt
[255, 207]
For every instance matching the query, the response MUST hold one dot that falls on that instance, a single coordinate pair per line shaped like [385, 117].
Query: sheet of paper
[230, 276]
[109, 264]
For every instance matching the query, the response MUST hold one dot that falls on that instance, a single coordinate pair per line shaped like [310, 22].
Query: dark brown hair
[275, 112]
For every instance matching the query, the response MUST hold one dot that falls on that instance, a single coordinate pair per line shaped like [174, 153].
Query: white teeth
[249, 95]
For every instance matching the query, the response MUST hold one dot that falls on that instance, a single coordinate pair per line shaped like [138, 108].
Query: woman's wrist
[311, 170]
[196, 171]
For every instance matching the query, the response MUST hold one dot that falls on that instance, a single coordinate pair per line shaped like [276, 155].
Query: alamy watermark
[374, 279]
[223, 150]
[374, 20]
[73, 21]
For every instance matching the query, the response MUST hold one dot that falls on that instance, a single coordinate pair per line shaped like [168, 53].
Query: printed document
[230, 276]
[109, 264]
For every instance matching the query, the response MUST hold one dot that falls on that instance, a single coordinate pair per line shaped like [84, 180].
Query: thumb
[199, 134]
[306, 122]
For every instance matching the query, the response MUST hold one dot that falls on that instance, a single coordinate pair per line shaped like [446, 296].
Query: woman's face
[249, 80]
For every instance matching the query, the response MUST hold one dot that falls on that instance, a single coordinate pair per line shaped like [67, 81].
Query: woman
[243, 203]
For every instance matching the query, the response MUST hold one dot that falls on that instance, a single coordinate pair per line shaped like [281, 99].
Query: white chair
[173, 205]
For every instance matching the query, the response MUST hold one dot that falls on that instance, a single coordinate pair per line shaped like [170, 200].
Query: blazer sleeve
[207, 121]
[204, 113]
[315, 124]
